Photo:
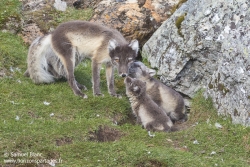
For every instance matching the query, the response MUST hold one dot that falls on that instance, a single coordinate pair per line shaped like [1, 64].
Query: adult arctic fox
[56, 55]
[168, 99]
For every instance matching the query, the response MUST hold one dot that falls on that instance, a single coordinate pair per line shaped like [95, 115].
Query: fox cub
[56, 55]
[168, 99]
[148, 113]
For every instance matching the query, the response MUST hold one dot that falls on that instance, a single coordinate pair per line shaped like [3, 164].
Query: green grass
[64, 128]
[9, 9]
[49, 17]
[12, 51]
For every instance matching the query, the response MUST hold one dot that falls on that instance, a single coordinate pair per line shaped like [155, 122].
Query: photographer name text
[26, 154]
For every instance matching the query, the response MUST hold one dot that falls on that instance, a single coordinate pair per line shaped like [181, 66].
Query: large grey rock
[206, 44]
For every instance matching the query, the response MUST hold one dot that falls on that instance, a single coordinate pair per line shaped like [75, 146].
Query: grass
[9, 9]
[49, 17]
[64, 129]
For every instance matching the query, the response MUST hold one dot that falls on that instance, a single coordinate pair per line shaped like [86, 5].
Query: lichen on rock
[209, 49]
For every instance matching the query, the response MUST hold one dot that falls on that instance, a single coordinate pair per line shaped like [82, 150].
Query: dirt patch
[151, 163]
[105, 134]
[63, 141]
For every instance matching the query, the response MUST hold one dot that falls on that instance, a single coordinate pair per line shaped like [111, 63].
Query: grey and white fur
[148, 113]
[56, 55]
[168, 99]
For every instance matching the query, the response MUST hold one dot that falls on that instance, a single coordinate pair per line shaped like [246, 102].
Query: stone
[60, 5]
[205, 45]
[135, 19]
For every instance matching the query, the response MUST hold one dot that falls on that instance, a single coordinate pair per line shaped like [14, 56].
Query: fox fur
[168, 99]
[148, 113]
[56, 55]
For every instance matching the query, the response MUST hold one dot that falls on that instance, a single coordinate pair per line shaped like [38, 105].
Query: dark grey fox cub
[148, 113]
[168, 99]
[57, 54]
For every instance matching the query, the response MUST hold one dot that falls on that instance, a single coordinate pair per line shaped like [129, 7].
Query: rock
[135, 19]
[205, 45]
[60, 5]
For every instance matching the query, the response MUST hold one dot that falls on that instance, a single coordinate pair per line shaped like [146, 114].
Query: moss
[223, 89]
[178, 22]
[177, 6]
[236, 112]
[210, 85]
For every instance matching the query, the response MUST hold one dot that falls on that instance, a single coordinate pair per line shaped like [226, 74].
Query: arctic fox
[168, 99]
[148, 113]
[56, 55]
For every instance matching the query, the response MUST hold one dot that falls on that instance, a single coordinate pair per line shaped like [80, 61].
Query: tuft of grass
[202, 108]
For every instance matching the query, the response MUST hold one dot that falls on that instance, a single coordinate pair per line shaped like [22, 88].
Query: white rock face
[206, 44]
[60, 5]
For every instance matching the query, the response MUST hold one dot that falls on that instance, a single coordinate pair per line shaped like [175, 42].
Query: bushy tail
[37, 62]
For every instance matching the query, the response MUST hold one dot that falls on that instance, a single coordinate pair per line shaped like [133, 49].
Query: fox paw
[99, 94]
[116, 95]
[81, 87]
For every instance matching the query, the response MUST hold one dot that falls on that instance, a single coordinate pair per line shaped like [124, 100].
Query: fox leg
[53, 71]
[66, 54]
[96, 67]
[110, 80]
[80, 86]
[71, 79]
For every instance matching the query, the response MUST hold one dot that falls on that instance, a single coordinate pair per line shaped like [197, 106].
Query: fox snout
[123, 75]
[123, 70]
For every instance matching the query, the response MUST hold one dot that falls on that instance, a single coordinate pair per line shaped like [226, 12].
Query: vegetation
[47, 121]
[48, 17]
[178, 22]
[9, 9]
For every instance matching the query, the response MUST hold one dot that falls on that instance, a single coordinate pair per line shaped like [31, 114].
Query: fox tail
[37, 62]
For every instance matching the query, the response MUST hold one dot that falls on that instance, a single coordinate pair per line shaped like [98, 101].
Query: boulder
[205, 45]
[135, 19]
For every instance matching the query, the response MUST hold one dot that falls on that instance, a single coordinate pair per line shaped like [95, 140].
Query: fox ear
[134, 44]
[112, 44]
[127, 80]
[151, 72]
